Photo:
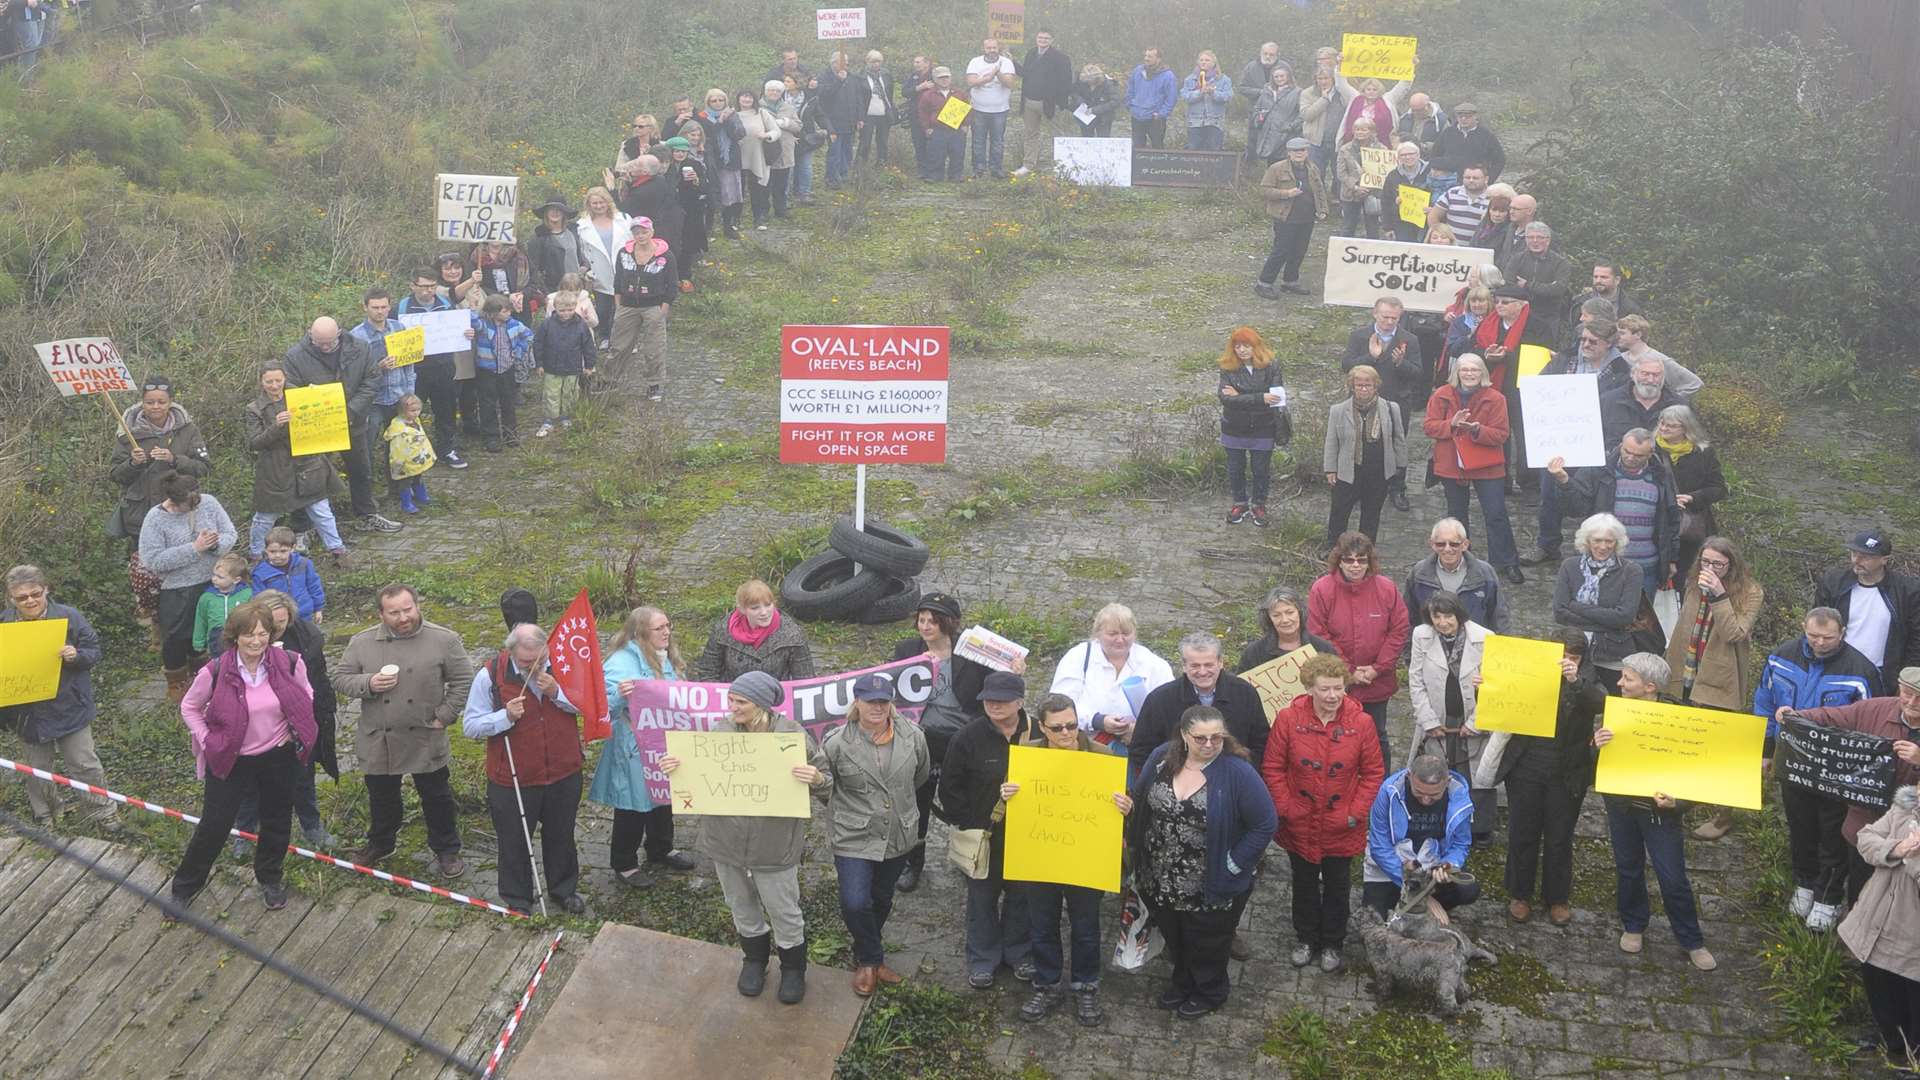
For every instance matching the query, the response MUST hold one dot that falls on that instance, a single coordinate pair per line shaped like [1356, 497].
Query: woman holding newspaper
[954, 702]
[1109, 675]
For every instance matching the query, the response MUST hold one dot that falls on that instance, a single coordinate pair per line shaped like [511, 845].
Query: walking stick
[539, 889]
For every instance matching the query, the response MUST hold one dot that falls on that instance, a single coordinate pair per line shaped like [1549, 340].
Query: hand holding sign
[34, 649]
[318, 423]
[954, 113]
[407, 346]
[1519, 688]
[1413, 204]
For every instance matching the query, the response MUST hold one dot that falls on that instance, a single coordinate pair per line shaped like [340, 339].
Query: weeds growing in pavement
[1812, 979]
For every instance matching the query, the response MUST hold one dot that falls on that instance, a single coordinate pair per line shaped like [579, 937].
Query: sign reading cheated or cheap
[862, 395]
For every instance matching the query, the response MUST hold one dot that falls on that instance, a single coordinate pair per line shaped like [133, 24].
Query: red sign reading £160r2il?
[863, 395]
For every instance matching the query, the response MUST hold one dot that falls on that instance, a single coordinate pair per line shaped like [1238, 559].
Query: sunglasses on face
[1058, 729]
[1207, 740]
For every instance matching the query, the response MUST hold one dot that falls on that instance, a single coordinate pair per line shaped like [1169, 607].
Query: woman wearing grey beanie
[757, 859]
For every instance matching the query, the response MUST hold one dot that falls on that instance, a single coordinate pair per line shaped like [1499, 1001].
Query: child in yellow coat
[409, 455]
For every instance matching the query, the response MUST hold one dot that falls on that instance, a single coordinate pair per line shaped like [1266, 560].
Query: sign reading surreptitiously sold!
[860, 395]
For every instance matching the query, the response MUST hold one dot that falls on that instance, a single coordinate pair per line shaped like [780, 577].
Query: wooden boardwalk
[93, 984]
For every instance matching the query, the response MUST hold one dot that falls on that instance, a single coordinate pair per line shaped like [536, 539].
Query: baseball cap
[875, 687]
[1870, 542]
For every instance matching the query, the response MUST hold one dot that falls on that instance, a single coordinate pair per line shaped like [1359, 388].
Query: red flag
[573, 653]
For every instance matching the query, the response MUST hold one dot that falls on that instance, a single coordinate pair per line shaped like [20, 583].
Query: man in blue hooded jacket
[1423, 817]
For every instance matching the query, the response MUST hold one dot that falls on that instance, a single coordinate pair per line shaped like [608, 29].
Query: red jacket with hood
[1367, 621]
[1323, 778]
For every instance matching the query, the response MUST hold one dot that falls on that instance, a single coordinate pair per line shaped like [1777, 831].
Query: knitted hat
[760, 688]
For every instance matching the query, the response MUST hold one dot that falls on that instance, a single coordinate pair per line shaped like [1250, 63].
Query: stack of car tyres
[884, 589]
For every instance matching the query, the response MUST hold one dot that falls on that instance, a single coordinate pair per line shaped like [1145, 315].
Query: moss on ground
[1518, 981]
[1389, 1042]
[922, 1030]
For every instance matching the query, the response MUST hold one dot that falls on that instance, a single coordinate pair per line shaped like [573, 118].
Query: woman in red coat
[1467, 421]
[1360, 610]
[1324, 768]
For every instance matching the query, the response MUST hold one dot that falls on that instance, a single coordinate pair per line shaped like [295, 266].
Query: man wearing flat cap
[1295, 193]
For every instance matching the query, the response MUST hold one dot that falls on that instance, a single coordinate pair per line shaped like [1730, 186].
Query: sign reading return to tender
[1425, 277]
[473, 208]
[87, 365]
[859, 395]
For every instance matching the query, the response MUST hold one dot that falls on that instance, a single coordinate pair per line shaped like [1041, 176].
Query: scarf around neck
[1676, 449]
[143, 428]
[749, 635]
[1591, 572]
[1697, 646]
[1366, 423]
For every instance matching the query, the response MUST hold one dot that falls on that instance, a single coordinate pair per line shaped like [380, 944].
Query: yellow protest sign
[1533, 359]
[1377, 56]
[407, 346]
[1062, 827]
[1704, 755]
[1413, 204]
[954, 113]
[1007, 21]
[1375, 163]
[32, 671]
[1278, 680]
[738, 773]
[1519, 686]
[319, 419]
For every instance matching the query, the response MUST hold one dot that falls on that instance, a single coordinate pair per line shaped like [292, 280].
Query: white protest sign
[1094, 162]
[88, 365]
[472, 208]
[1563, 420]
[833, 24]
[446, 330]
[1424, 277]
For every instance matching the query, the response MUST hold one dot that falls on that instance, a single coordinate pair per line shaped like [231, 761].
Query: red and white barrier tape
[520, 1010]
[317, 856]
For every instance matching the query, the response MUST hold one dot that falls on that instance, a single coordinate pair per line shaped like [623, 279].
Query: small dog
[1415, 951]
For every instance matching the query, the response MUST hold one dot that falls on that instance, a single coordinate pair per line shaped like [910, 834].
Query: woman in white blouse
[1096, 674]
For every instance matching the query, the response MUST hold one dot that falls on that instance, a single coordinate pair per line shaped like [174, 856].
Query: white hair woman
[1108, 675]
[1597, 592]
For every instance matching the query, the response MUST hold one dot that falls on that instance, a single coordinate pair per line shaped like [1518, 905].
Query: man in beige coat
[411, 677]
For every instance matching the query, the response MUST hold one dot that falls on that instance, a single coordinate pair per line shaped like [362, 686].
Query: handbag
[116, 525]
[1693, 527]
[971, 852]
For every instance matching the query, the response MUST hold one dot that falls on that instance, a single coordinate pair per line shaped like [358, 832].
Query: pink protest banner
[820, 704]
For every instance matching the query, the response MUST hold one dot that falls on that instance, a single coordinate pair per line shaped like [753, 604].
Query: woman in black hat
[555, 249]
[955, 701]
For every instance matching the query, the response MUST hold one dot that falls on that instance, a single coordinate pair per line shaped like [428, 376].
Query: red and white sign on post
[89, 365]
[863, 395]
[834, 24]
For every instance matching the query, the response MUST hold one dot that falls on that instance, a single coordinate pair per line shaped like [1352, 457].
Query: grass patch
[1098, 568]
[1387, 1043]
[925, 1031]
[1812, 980]
[1518, 981]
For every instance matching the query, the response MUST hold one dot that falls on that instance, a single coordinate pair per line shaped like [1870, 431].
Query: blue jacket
[299, 580]
[1240, 819]
[1387, 846]
[1207, 109]
[1793, 677]
[519, 342]
[620, 780]
[71, 707]
[1151, 97]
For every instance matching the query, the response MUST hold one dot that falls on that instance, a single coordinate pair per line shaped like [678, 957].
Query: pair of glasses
[1352, 560]
[1438, 544]
[28, 597]
[1207, 740]
[1711, 564]
[1058, 729]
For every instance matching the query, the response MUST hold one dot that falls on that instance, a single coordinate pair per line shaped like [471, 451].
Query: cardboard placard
[1278, 680]
[318, 423]
[739, 773]
[473, 208]
[88, 365]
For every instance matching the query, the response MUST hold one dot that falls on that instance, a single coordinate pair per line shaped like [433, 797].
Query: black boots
[793, 974]
[753, 964]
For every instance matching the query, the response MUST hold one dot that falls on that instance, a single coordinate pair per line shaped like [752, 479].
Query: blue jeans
[989, 142]
[324, 523]
[1638, 835]
[1206, 138]
[866, 899]
[1237, 461]
[801, 181]
[1501, 551]
[1550, 535]
[839, 159]
[998, 930]
[1044, 900]
[29, 35]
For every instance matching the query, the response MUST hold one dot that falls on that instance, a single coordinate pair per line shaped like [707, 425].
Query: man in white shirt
[1882, 607]
[990, 81]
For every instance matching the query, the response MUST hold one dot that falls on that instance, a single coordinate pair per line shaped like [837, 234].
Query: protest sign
[318, 423]
[954, 113]
[1278, 680]
[1533, 360]
[407, 346]
[1376, 56]
[1094, 162]
[89, 365]
[1849, 765]
[32, 648]
[1007, 21]
[836, 24]
[1424, 277]
[1375, 163]
[1062, 826]
[474, 208]
[658, 706]
[1413, 204]
[739, 773]
[1563, 420]
[446, 330]
[1702, 755]
[1519, 686]
[858, 395]
[981, 645]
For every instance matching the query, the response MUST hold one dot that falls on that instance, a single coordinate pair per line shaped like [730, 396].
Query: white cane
[539, 889]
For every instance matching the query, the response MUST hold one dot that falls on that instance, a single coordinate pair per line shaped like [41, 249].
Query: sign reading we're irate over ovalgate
[863, 395]
[86, 365]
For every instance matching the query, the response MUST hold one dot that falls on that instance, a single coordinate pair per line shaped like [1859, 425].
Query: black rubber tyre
[889, 551]
[900, 600]
[825, 587]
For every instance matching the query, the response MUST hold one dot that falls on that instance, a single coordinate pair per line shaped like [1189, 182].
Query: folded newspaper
[981, 645]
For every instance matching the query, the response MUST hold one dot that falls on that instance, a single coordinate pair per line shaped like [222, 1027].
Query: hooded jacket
[298, 579]
[1367, 622]
[143, 484]
[641, 280]
[874, 812]
[1323, 778]
[282, 482]
[1388, 848]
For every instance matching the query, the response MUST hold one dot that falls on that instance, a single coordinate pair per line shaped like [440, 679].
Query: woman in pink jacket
[1358, 609]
